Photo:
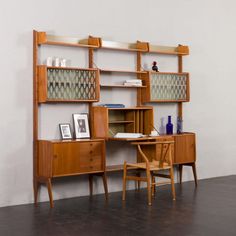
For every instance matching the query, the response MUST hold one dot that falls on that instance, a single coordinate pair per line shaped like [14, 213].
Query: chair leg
[149, 187]
[124, 181]
[153, 185]
[137, 182]
[172, 183]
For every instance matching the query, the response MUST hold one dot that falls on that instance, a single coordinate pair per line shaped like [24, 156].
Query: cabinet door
[76, 158]
[185, 148]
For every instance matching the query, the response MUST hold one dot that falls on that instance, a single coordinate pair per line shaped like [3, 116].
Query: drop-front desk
[183, 150]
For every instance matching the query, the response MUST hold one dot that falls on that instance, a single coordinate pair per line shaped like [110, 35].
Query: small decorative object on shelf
[179, 125]
[154, 66]
[81, 125]
[65, 131]
[169, 126]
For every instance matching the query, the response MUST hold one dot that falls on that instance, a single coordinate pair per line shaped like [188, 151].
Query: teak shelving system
[61, 85]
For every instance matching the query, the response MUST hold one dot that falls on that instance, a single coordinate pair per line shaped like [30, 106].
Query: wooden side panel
[45, 155]
[185, 148]
[145, 92]
[77, 158]
[99, 122]
[148, 121]
[42, 83]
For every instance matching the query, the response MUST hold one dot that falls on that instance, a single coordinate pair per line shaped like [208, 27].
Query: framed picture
[65, 131]
[81, 125]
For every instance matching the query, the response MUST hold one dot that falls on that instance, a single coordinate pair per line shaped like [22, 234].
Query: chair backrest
[162, 155]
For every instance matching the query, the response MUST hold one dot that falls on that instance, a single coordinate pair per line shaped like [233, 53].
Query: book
[112, 105]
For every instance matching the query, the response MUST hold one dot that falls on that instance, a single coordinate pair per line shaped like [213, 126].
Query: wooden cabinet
[165, 87]
[106, 122]
[185, 151]
[64, 84]
[65, 158]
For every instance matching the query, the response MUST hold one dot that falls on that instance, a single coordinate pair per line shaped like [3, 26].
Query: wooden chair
[152, 166]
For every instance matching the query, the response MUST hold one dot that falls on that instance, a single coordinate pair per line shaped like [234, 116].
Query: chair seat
[154, 165]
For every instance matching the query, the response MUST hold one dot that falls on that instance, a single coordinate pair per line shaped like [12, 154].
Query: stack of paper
[133, 82]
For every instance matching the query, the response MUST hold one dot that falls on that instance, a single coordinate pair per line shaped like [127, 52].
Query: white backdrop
[208, 27]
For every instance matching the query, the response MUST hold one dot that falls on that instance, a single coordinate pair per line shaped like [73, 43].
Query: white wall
[208, 27]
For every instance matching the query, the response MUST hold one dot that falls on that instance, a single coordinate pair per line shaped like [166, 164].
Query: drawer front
[75, 158]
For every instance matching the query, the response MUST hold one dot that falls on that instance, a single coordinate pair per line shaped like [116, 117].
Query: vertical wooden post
[138, 67]
[180, 70]
[35, 114]
[90, 56]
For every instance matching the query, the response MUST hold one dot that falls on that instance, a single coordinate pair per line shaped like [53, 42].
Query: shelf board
[180, 50]
[47, 39]
[121, 122]
[122, 71]
[121, 86]
[131, 108]
[118, 168]
[68, 101]
[68, 68]
[130, 47]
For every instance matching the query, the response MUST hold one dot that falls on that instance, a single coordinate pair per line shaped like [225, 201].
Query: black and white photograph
[65, 131]
[81, 125]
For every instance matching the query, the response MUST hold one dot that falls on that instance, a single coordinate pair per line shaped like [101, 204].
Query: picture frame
[81, 125]
[65, 131]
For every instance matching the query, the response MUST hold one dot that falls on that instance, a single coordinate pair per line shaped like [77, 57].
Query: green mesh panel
[71, 84]
[168, 86]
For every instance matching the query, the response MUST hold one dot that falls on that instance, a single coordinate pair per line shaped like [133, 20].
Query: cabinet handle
[91, 152]
[55, 156]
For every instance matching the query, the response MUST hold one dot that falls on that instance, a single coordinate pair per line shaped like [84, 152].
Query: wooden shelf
[66, 101]
[131, 47]
[122, 71]
[47, 39]
[131, 108]
[180, 50]
[121, 122]
[121, 86]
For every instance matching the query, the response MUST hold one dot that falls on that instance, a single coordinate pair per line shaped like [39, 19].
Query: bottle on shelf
[179, 125]
[169, 126]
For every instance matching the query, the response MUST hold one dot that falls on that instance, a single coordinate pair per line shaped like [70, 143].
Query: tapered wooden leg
[104, 178]
[153, 185]
[149, 187]
[180, 173]
[194, 173]
[124, 181]
[49, 186]
[172, 183]
[91, 185]
[36, 187]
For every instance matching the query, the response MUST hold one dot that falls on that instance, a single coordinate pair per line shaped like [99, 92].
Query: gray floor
[208, 210]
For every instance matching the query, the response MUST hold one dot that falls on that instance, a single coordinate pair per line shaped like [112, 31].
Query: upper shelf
[96, 42]
[180, 50]
[44, 38]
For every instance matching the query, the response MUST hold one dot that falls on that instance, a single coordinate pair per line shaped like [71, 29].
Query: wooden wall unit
[55, 158]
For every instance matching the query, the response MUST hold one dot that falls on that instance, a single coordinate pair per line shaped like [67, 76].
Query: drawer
[76, 158]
